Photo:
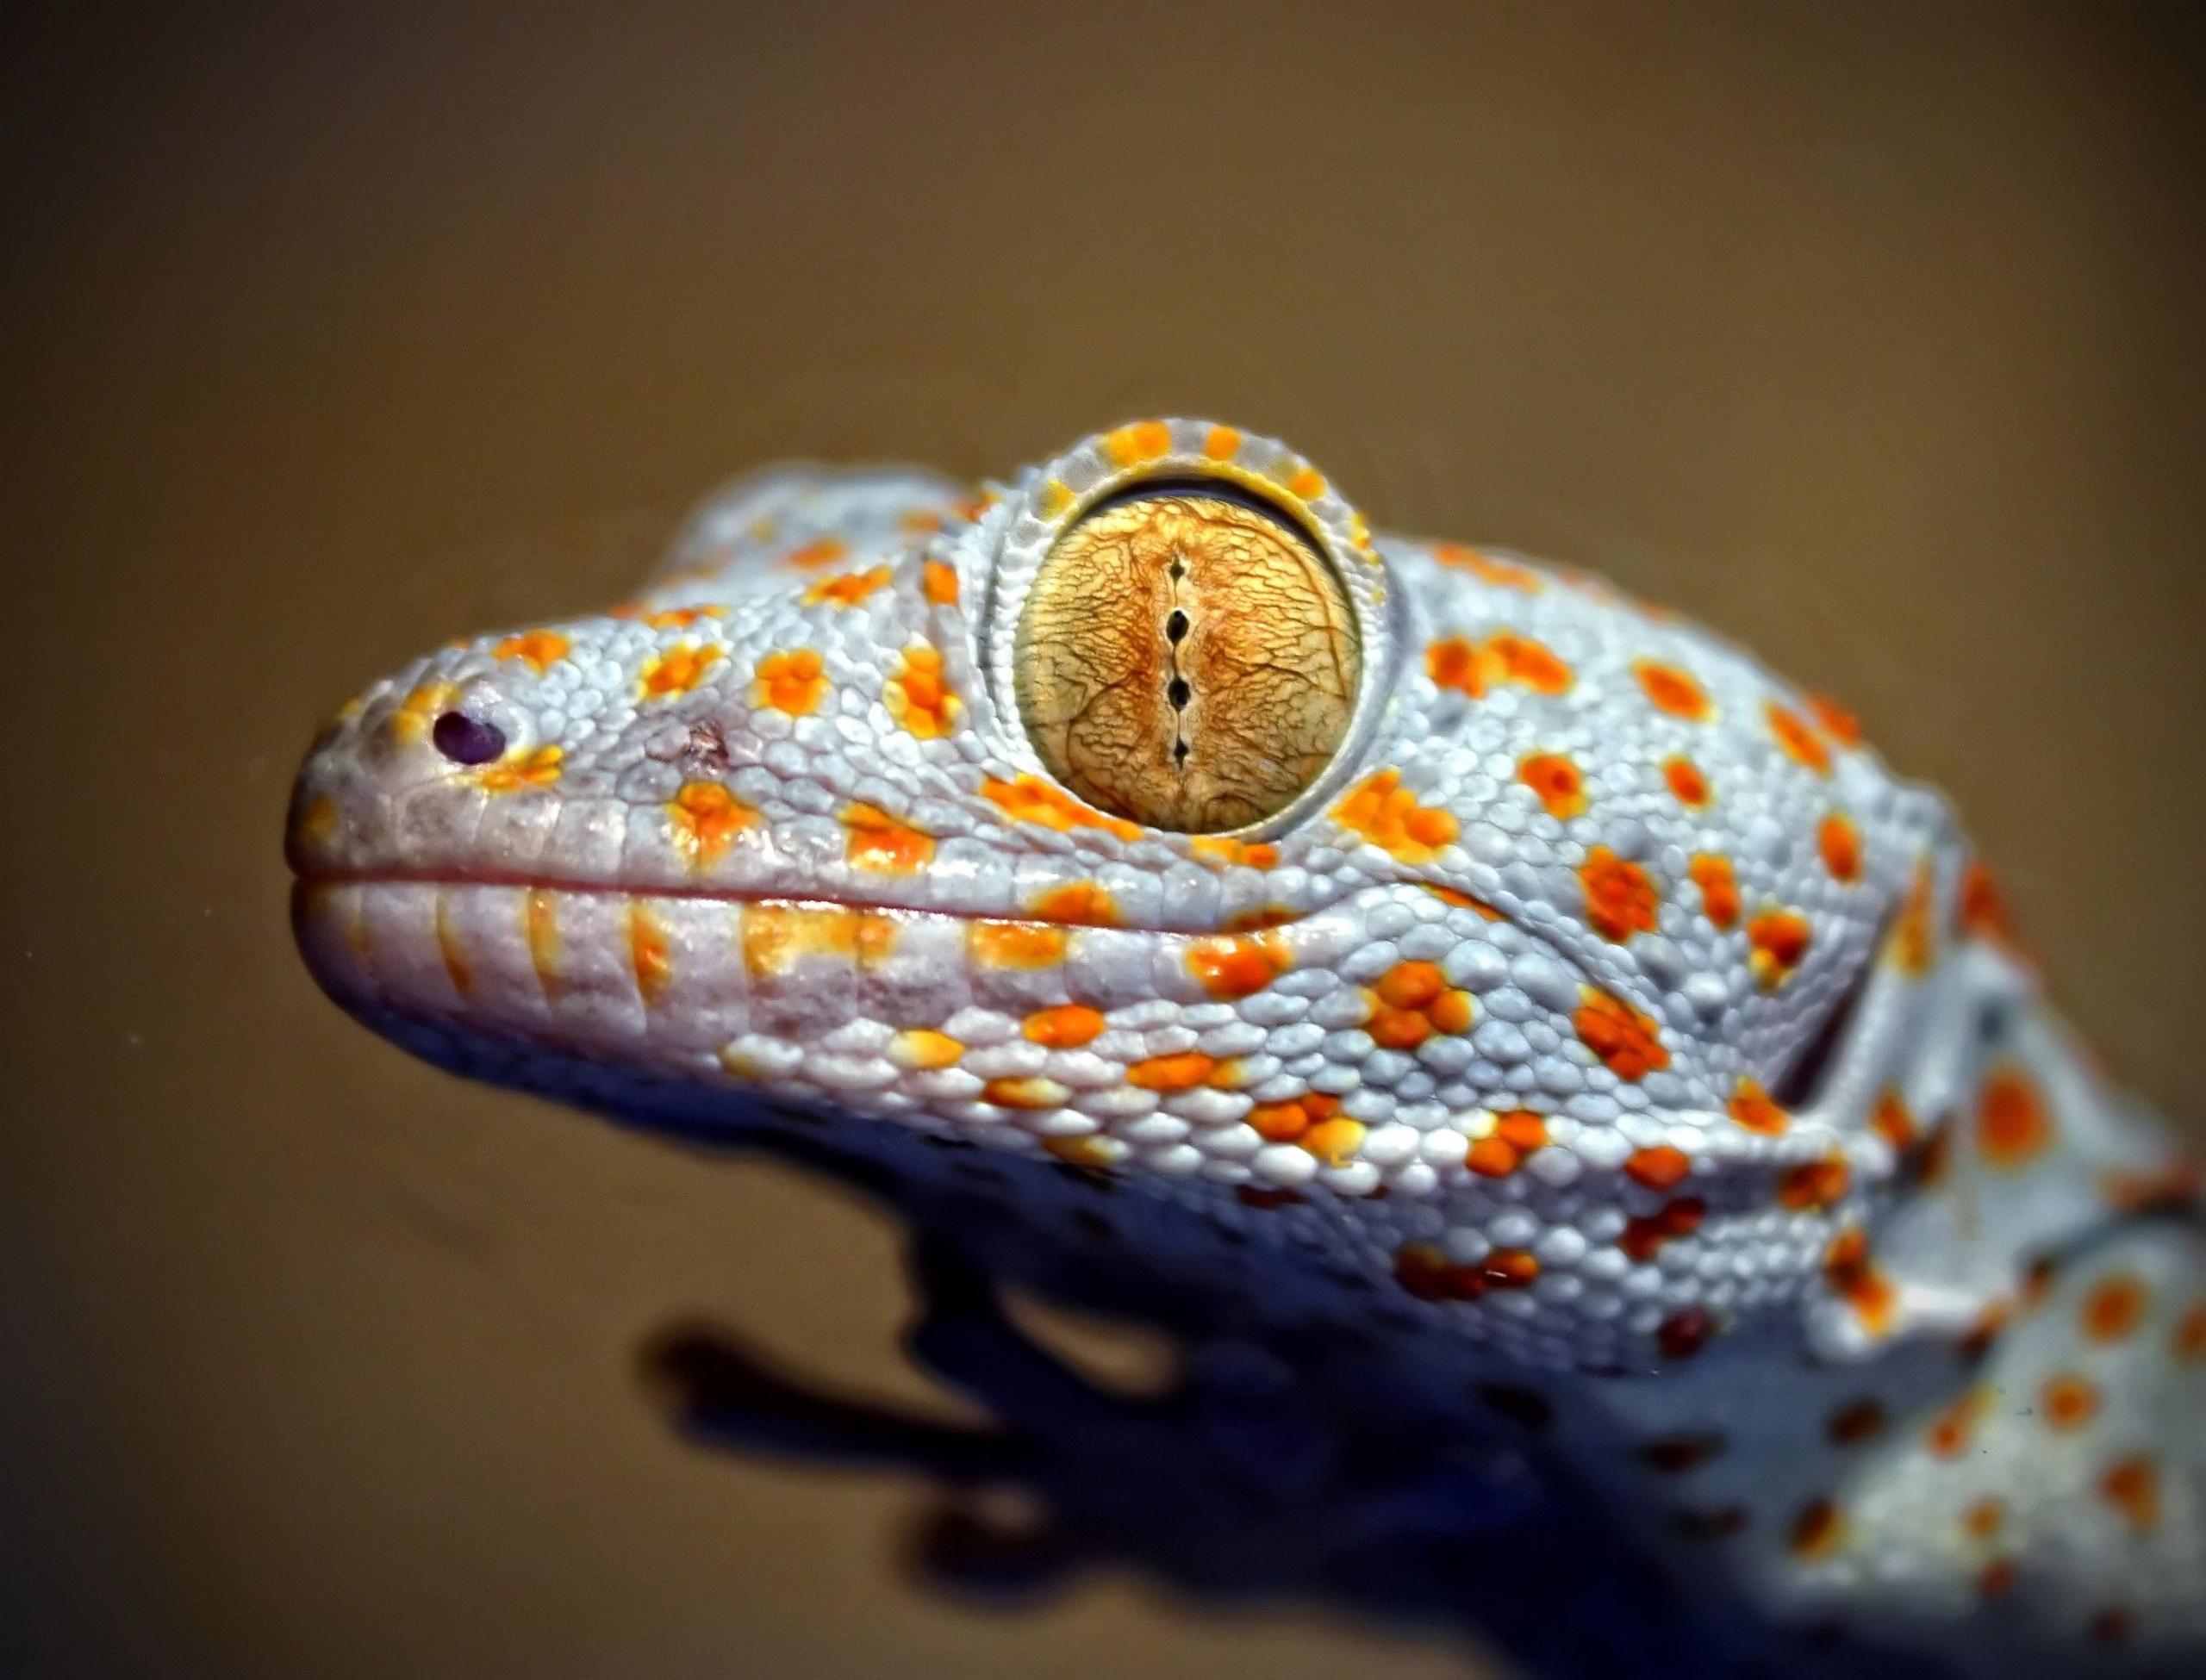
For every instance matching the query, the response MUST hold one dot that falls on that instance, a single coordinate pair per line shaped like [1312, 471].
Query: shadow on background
[1873, 339]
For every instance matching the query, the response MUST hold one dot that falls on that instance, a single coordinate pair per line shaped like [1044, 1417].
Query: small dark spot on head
[1525, 1406]
[1675, 1454]
[467, 740]
[1856, 1421]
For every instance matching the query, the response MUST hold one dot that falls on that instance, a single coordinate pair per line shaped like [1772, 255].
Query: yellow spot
[707, 818]
[539, 648]
[1221, 443]
[1028, 798]
[917, 697]
[1067, 1027]
[678, 670]
[791, 681]
[1030, 1092]
[681, 618]
[1093, 1153]
[1334, 1141]
[814, 557]
[940, 583]
[1914, 941]
[1755, 1110]
[846, 589]
[1079, 903]
[878, 841]
[647, 953]
[1057, 496]
[1231, 968]
[538, 768]
[1015, 944]
[449, 948]
[775, 935]
[920, 1047]
[540, 922]
[317, 823]
[1144, 440]
[410, 723]
[1387, 814]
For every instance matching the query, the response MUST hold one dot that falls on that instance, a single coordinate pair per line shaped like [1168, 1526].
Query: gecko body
[1420, 943]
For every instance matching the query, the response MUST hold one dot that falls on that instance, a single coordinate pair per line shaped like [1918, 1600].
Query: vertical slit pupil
[1176, 625]
[1179, 692]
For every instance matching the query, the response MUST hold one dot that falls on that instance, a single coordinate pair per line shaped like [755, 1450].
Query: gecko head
[1143, 815]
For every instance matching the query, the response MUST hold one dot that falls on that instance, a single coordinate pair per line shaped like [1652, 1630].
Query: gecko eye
[1187, 658]
[466, 740]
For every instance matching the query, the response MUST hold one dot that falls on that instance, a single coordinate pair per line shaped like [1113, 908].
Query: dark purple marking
[466, 740]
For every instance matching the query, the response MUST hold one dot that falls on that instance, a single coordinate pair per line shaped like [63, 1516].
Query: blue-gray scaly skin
[1593, 1000]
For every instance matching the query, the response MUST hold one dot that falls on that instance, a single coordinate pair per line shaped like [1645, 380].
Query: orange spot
[1658, 1167]
[540, 925]
[2069, 1402]
[1625, 1040]
[1079, 904]
[2113, 1308]
[1181, 1071]
[1224, 850]
[1235, 967]
[1557, 781]
[1856, 1421]
[791, 681]
[1334, 1141]
[1801, 743]
[1527, 662]
[1091, 1153]
[1893, 1123]
[1914, 941]
[878, 841]
[1779, 941]
[1752, 1108]
[647, 954]
[1503, 574]
[538, 768]
[1308, 483]
[1644, 1235]
[1387, 814]
[1411, 985]
[1283, 1122]
[1719, 888]
[1685, 1333]
[1015, 944]
[681, 618]
[1671, 690]
[1854, 1276]
[1982, 1520]
[812, 556]
[1448, 895]
[1412, 1001]
[2012, 1127]
[1028, 798]
[1813, 1185]
[707, 818]
[1839, 841]
[1515, 1135]
[1028, 1093]
[1453, 662]
[1066, 1027]
[846, 589]
[1997, 1578]
[939, 583]
[1818, 1531]
[1509, 1268]
[917, 697]
[775, 935]
[1144, 440]
[2190, 1335]
[1620, 897]
[678, 670]
[1398, 1029]
[1687, 785]
[1451, 1012]
[1834, 720]
[539, 648]
[1221, 443]
[1983, 911]
[1946, 1435]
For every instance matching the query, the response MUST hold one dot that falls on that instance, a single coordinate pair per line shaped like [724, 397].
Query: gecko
[1425, 945]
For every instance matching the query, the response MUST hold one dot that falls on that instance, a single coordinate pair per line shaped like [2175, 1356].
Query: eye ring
[1265, 495]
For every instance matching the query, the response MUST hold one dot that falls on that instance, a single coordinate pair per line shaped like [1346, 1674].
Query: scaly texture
[1588, 1006]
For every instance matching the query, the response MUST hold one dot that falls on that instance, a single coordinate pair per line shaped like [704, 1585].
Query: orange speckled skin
[1602, 1006]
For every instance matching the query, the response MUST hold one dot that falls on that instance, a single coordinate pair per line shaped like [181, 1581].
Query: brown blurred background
[1874, 338]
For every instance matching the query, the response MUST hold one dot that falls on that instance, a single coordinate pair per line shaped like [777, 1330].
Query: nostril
[466, 740]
